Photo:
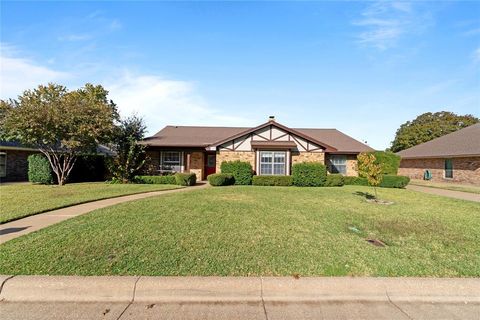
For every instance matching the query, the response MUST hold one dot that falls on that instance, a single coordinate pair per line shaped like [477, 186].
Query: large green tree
[429, 126]
[62, 124]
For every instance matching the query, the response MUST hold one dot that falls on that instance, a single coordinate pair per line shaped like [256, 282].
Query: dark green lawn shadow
[365, 195]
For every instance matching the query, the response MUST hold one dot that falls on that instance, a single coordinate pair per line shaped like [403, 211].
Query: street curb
[237, 289]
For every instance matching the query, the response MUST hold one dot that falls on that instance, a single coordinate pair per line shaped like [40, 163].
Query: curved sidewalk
[17, 228]
[446, 193]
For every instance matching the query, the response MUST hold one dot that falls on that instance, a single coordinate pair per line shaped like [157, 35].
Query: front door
[210, 164]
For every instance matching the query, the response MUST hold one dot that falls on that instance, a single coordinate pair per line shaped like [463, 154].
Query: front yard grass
[447, 186]
[21, 200]
[246, 231]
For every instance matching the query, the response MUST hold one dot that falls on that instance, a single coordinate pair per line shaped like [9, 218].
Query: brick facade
[197, 160]
[352, 168]
[465, 170]
[247, 156]
[308, 157]
[17, 165]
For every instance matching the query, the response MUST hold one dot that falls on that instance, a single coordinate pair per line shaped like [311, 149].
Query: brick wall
[247, 156]
[197, 164]
[465, 170]
[308, 157]
[352, 169]
[17, 165]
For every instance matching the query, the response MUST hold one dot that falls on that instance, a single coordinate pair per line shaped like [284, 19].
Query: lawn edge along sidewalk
[237, 289]
[20, 227]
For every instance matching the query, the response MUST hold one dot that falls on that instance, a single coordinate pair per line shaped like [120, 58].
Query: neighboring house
[453, 157]
[271, 149]
[13, 161]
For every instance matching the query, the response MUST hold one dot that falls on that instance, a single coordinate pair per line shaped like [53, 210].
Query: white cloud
[75, 37]
[162, 101]
[18, 74]
[384, 23]
[476, 55]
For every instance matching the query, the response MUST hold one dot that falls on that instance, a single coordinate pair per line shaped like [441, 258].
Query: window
[338, 164]
[171, 161]
[448, 168]
[3, 164]
[272, 162]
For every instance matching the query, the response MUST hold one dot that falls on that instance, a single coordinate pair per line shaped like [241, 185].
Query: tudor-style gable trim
[271, 123]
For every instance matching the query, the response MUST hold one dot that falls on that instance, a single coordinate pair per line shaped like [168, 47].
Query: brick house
[13, 161]
[454, 157]
[271, 148]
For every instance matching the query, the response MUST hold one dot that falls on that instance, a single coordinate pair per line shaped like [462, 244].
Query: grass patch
[21, 200]
[246, 231]
[447, 186]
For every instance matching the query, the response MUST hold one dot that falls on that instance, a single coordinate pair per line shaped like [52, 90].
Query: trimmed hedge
[389, 161]
[309, 174]
[283, 181]
[242, 171]
[390, 181]
[356, 181]
[221, 179]
[156, 179]
[185, 179]
[334, 180]
[39, 170]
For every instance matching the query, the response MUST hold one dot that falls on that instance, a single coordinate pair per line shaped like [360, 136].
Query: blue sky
[361, 67]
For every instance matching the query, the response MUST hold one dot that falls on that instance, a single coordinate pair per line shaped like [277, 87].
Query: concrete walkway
[17, 228]
[44, 297]
[446, 193]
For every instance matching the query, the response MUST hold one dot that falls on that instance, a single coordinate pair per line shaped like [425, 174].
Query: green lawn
[242, 231]
[447, 186]
[21, 200]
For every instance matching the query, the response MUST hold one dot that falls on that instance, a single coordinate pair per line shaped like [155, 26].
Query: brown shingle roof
[192, 136]
[464, 142]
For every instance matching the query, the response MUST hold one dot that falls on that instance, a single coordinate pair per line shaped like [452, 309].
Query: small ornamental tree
[61, 124]
[368, 168]
[129, 155]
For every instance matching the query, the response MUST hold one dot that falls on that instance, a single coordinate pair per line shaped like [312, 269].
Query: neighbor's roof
[461, 143]
[187, 136]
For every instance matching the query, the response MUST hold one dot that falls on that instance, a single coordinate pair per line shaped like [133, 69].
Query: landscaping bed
[21, 200]
[270, 231]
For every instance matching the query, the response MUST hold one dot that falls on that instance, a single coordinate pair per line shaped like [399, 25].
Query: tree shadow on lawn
[365, 195]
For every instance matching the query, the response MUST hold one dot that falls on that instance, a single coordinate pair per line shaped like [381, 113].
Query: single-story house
[13, 161]
[271, 148]
[454, 157]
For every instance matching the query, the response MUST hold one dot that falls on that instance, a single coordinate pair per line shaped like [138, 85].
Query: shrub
[357, 181]
[221, 179]
[391, 181]
[242, 171]
[39, 170]
[283, 181]
[156, 179]
[185, 179]
[388, 160]
[309, 174]
[334, 180]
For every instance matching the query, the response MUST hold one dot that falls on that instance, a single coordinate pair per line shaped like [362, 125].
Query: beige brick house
[454, 157]
[271, 148]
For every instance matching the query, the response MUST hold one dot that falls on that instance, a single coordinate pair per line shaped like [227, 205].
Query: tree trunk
[61, 163]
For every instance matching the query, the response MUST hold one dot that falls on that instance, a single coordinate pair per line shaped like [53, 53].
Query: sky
[361, 67]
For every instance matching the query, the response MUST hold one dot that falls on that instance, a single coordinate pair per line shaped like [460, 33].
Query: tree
[62, 124]
[429, 126]
[129, 155]
[369, 168]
